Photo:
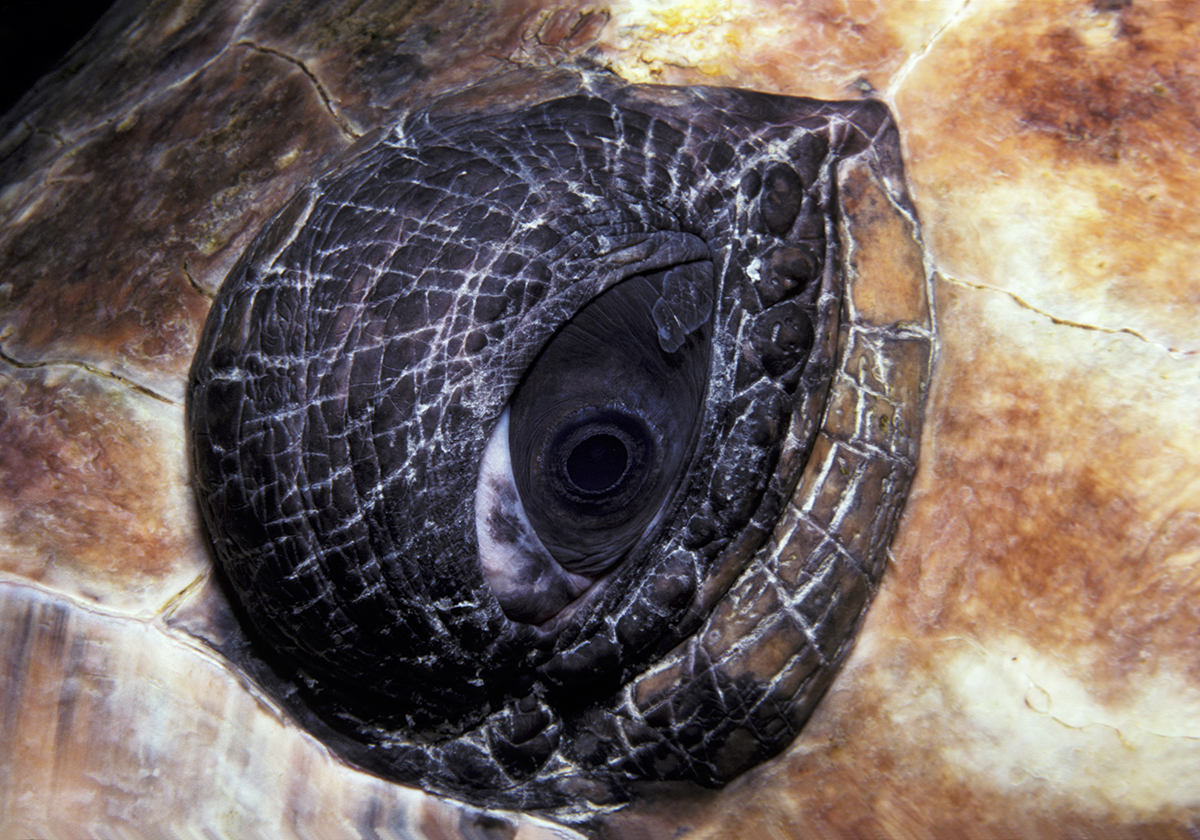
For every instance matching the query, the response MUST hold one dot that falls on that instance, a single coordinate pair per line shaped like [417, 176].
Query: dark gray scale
[490, 419]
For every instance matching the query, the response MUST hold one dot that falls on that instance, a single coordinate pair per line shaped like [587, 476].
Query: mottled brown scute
[1096, 119]
[96, 489]
[168, 224]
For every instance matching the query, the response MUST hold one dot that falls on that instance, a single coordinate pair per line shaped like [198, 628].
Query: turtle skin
[655, 272]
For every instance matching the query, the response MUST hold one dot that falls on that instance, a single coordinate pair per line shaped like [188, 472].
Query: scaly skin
[359, 356]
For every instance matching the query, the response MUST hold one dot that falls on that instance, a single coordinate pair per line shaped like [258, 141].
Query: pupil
[596, 464]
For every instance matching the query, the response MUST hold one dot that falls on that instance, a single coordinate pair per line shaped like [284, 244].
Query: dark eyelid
[361, 354]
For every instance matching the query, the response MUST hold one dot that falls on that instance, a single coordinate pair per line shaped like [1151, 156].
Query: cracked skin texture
[1028, 668]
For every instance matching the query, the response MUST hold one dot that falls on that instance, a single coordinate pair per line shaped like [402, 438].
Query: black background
[35, 36]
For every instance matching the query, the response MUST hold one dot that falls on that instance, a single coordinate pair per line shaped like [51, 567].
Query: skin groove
[359, 357]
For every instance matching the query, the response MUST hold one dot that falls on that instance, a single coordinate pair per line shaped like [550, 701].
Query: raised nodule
[512, 439]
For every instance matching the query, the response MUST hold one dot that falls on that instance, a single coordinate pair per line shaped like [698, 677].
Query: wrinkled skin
[648, 274]
[1028, 667]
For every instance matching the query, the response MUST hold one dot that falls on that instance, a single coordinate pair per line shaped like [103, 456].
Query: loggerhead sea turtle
[1028, 667]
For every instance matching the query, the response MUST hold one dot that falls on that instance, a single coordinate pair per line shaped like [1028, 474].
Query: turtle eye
[606, 416]
[598, 436]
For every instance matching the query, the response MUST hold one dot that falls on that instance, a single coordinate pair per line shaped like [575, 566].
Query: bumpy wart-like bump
[512, 435]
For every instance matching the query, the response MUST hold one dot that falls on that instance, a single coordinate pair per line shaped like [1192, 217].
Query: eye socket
[607, 414]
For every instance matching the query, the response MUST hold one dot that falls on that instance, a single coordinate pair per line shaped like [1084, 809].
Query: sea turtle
[1028, 665]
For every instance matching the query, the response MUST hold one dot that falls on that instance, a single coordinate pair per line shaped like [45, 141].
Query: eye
[554, 448]
[598, 435]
